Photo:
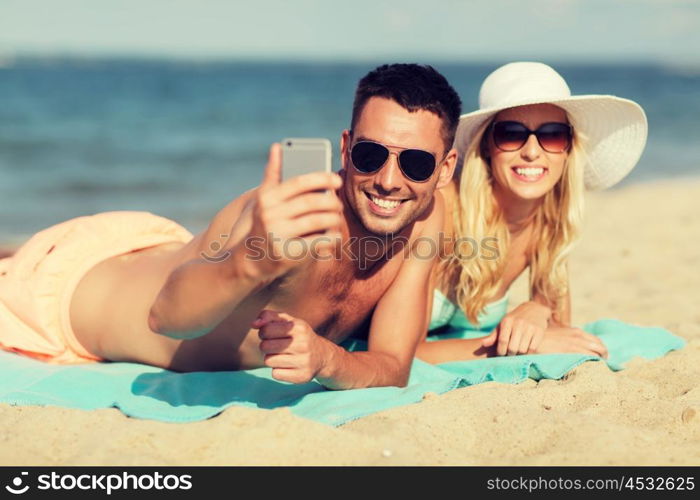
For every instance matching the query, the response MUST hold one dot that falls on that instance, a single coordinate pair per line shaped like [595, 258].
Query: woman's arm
[561, 316]
[443, 351]
[555, 339]
[522, 329]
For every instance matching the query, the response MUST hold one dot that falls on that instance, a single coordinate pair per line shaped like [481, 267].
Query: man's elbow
[158, 324]
[402, 379]
[402, 373]
[155, 323]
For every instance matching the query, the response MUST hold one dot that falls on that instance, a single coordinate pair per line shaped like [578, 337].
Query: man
[293, 274]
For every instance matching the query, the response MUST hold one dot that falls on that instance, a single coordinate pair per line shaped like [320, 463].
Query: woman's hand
[521, 331]
[568, 340]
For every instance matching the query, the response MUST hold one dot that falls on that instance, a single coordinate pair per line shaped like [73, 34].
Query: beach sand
[638, 262]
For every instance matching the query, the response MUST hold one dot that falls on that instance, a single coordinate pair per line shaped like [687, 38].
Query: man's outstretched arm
[202, 292]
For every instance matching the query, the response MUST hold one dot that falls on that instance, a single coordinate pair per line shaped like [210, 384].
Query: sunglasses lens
[554, 137]
[368, 157]
[509, 136]
[417, 165]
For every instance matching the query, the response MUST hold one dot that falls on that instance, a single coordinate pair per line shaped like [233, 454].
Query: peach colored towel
[38, 281]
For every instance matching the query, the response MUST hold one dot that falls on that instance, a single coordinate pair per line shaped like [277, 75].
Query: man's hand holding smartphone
[292, 219]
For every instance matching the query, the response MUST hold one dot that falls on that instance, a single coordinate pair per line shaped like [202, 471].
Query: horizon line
[8, 59]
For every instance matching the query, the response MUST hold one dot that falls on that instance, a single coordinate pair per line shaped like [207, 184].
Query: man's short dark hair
[413, 87]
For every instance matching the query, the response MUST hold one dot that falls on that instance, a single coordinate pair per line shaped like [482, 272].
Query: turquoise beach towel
[143, 391]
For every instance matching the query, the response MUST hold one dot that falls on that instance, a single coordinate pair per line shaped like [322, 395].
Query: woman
[517, 203]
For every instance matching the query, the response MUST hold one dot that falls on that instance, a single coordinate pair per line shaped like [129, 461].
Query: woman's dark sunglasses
[553, 137]
[416, 164]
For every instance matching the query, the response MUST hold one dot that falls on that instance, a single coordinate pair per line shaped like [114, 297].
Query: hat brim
[613, 132]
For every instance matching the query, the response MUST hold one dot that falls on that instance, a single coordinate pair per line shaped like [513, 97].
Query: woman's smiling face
[530, 172]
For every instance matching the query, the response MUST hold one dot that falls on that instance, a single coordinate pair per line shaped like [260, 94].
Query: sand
[638, 262]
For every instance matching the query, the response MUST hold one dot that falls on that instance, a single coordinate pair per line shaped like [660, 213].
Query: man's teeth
[385, 203]
[530, 171]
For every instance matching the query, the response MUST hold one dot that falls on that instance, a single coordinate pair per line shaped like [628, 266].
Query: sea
[182, 138]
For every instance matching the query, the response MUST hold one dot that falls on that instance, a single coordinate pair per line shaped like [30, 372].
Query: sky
[455, 30]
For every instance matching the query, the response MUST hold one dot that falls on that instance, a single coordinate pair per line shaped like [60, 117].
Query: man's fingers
[273, 171]
[293, 375]
[267, 315]
[314, 181]
[285, 317]
[264, 317]
[275, 345]
[314, 223]
[276, 330]
[312, 202]
[279, 361]
[274, 324]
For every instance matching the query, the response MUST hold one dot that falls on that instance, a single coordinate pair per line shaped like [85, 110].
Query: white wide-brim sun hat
[615, 129]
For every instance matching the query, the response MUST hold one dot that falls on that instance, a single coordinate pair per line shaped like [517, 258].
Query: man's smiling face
[386, 201]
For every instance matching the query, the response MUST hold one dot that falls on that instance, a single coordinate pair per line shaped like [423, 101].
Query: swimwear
[38, 281]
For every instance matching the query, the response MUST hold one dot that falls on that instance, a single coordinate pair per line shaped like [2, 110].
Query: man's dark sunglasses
[369, 156]
[553, 137]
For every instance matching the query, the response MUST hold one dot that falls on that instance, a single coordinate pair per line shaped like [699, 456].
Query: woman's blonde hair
[478, 219]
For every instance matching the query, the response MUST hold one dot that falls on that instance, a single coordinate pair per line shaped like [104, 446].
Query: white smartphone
[304, 155]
